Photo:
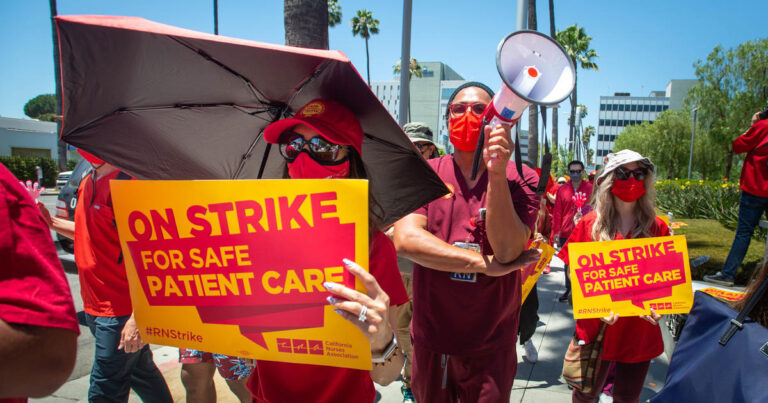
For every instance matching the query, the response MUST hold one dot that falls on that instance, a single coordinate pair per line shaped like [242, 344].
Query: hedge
[24, 169]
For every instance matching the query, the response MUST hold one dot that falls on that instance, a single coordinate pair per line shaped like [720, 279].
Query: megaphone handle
[478, 151]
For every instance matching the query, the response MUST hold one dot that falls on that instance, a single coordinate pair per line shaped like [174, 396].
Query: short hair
[575, 162]
[461, 87]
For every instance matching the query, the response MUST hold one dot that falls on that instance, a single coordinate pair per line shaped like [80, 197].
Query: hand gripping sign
[630, 277]
[237, 267]
[530, 274]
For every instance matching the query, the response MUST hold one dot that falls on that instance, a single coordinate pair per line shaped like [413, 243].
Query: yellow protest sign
[237, 267]
[530, 274]
[726, 295]
[630, 277]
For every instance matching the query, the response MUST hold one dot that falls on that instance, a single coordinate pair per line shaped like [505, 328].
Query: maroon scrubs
[457, 322]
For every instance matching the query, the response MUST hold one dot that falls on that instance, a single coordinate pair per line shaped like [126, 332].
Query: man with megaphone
[468, 247]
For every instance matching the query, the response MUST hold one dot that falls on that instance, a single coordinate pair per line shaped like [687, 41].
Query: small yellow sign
[630, 277]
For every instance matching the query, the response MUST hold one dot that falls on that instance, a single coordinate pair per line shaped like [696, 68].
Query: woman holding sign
[623, 209]
[324, 141]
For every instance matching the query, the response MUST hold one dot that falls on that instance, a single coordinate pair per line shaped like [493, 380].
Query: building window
[646, 108]
[602, 107]
[614, 123]
[633, 108]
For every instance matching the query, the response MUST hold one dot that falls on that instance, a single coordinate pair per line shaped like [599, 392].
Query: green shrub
[24, 169]
[715, 200]
[71, 164]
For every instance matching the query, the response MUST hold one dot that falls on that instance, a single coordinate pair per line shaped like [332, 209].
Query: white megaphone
[535, 70]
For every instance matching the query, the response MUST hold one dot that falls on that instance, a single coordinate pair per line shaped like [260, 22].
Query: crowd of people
[442, 306]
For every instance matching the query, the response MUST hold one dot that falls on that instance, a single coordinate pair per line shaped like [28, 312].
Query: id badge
[466, 277]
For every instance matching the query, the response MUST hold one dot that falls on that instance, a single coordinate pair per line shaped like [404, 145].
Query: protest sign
[530, 274]
[237, 267]
[726, 295]
[630, 277]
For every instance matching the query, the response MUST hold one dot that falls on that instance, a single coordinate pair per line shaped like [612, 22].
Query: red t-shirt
[565, 209]
[104, 285]
[630, 339]
[33, 288]
[274, 381]
[458, 317]
[754, 174]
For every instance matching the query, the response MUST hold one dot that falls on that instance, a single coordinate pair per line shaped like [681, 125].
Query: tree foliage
[42, 107]
[334, 13]
[365, 25]
[733, 85]
[667, 143]
[576, 43]
[414, 68]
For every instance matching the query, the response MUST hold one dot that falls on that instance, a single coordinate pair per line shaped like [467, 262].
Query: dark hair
[357, 171]
[461, 87]
[760, 312]
[575, 162]
[763, 114]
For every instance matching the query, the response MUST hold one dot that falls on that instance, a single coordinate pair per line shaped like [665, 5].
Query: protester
[468, 247]
[623, 209]
[754, 194]
[38, 327]
[39, 173]
[421, 135]
[198, 368]
[565, 213]
[122, 360]
[324, 141]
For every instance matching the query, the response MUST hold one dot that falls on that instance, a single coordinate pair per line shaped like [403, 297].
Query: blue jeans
[751, 208]
[566, 267]
[115, 372]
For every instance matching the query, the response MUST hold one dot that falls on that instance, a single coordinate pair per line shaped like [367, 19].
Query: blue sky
[642, 44]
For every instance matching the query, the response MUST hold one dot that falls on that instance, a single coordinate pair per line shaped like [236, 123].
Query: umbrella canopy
[161, 102]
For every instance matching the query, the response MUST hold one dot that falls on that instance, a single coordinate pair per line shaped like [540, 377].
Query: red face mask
[304, 167]
[628, 190]
[465, 130]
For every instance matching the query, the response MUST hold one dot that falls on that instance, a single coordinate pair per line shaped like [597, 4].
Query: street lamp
[693, 135]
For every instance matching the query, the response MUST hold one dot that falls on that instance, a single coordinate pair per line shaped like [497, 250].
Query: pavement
[535, 382]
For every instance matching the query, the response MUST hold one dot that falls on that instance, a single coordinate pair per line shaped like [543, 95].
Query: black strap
[738, 323]
[121, 176]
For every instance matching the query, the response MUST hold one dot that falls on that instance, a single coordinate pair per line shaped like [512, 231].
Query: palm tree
[365, 25]
[589, 131]
[553, 34]
[306, 23]
[533, 110]
[334, 13]
[414, 68]
[576, 43]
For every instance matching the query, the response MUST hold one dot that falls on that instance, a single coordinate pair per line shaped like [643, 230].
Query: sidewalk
[534, 382]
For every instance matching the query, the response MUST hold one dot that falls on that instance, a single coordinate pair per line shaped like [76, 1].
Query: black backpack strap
[121, 176]
[738, 323]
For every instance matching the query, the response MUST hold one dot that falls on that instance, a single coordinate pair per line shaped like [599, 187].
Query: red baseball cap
[329, 118]
[90, 157]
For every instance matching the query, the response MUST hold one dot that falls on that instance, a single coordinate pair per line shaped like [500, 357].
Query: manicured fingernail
[328, 285]
[337, 311]
[331, 300]
[540, 250]
[347, 262]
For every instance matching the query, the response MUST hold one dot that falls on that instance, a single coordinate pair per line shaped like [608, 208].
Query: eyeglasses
[292, 144]
[459, 109]
[624, 173]
[575, 171]
[422, 146]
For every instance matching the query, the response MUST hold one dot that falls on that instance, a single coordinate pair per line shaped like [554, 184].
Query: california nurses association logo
[312, 109]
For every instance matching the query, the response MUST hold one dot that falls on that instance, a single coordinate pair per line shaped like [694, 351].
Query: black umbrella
[161, 102]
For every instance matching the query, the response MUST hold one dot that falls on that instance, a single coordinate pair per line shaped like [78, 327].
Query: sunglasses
[292, 144]
[575, 171]
[459, 109]
[422, 146]
[624, 173]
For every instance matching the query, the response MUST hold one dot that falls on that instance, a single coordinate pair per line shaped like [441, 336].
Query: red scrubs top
[274, 381]
[33, 288]
[565, 209]
[104, 285]
[630, 339]
[464, 318]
